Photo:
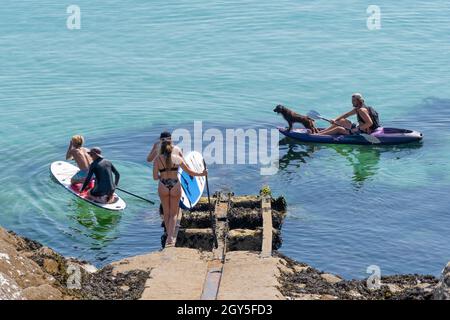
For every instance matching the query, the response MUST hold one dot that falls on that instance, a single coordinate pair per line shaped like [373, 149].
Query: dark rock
[251, 240]
[196, 219]
[103, 285]
[310, 281]
[202, 239]
[246, 202]
[25, 244]
[246, 218]
[442, 291]
[279, 204]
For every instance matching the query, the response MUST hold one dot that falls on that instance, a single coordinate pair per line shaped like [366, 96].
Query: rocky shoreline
[31, 271]
[300, 281]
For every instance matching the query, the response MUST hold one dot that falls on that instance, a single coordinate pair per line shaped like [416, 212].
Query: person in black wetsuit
[368, 119]
[103, 169]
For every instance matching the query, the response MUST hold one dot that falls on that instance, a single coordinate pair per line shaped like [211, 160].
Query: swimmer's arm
[69, 155]
[180, 152]
[153, 153]
[191, 172]
[116, 175]
[88, 179]
[346, 115]
[155, 170]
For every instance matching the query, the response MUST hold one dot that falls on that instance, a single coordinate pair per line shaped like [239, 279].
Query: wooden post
[215, 266]
[266, 211]
[220, 214]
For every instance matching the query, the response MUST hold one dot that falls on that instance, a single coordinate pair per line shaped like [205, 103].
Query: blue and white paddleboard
[191, 187]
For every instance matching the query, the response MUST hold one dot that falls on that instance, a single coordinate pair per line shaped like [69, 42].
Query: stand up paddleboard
[191, 187]
[63, 171]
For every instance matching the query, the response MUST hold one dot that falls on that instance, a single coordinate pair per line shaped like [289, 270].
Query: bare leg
[98, 199]
[75, 181]
[333, 129]
[175, 195]
[164, 195]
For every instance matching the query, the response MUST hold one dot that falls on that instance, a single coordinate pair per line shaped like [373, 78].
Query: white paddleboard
[63, 171]
[191, 187]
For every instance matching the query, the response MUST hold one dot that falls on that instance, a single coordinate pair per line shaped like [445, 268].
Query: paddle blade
[314, 114]
[371, 139]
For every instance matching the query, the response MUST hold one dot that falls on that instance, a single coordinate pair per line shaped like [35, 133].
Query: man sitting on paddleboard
[77, 152]
[368, 119]
[103, 169]
[156, 149]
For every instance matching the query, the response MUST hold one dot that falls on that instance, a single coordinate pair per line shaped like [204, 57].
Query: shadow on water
[296, 153]
[363, 159]
[431, 115]
[99, 224]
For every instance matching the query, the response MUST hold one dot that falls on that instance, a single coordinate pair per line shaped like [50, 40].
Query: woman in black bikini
[165, 168]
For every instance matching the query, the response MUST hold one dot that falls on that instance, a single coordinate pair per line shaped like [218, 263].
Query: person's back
[165, 168]
[168, 175]
[373, 114]
[104, 184]
[81, 156]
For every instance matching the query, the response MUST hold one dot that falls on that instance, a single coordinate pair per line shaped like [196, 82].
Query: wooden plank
[212, 281]
[221, 229]
[221, 210]
[266, 208]
[215, 266]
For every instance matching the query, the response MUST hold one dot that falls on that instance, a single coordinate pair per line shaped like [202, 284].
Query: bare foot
[169, 244]
[113, 199]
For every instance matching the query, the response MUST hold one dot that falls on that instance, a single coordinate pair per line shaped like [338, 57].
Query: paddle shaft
[135, 195]
[368, 137]
[213, 221]
[320, 117]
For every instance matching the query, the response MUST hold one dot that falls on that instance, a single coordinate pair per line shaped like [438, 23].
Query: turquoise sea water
[138, 67]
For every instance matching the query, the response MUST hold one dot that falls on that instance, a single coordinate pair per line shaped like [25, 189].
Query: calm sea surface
[138, 67]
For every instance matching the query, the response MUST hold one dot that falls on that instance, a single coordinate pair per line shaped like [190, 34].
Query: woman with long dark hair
[165, 169]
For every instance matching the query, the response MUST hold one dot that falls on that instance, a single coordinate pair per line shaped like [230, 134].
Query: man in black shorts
[103, 169]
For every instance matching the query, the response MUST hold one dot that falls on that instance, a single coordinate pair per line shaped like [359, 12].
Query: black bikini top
[167, 169]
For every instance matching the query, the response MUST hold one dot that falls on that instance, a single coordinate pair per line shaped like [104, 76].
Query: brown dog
[292, 117]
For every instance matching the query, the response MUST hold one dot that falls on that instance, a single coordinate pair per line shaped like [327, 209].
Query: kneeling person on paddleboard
[103, 169]
[368, 119]
[77, 152]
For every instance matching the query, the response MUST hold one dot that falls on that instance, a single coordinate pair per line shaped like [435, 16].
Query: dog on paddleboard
[292, 117]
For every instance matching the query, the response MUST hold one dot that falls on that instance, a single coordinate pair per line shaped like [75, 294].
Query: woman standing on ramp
[165, 169]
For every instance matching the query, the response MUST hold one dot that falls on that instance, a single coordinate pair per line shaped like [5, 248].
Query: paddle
[135, 195]
[213, 221]
[315, 115]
